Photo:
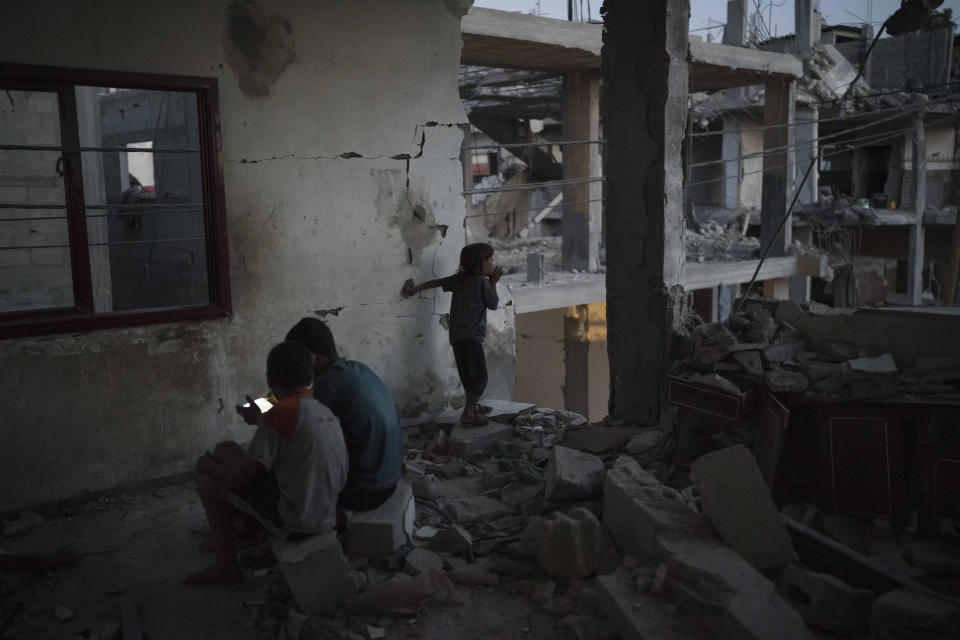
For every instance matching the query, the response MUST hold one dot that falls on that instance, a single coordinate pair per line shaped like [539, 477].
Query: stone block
[826, 602]
[478, 509]
[572, 474]
[783, 381]
[640, 514]
[737, 502]
[741, 602]
[466, 441]
[316, 571]
[598, 439]
[871, 377]
[381, 531]
[569, 546]
[645, 441]
[750, 361]
[422, 560]
[914, 615]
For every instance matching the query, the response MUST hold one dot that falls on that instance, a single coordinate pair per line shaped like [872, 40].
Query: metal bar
[534, 186]
[534, 144]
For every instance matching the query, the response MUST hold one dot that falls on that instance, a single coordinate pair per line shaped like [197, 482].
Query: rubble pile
[715, 242]
[760, 348]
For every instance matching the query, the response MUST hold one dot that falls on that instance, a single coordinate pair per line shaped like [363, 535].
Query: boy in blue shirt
[362, 402]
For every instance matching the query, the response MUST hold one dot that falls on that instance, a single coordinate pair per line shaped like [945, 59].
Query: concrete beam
[581, 211]
[778, 165]
[590, 288]
[735, 30]
[517, 41]
[915, 256]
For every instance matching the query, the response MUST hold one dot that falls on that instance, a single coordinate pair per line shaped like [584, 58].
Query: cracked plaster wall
[342, 178]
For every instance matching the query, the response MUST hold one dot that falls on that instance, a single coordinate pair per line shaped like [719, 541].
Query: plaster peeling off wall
[342, 178]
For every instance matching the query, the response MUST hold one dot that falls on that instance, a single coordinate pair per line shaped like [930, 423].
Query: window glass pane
[35, 270]
[144, 198]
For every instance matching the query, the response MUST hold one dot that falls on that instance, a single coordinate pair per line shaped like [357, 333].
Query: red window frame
[81, 316]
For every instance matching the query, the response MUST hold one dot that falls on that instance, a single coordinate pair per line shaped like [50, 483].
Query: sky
[704, 13]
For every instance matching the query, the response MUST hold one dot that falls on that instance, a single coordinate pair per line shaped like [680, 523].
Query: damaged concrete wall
[342, 178]
[941, 165]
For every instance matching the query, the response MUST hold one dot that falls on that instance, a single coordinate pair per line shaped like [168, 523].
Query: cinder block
[381, 531]
[467, 440]
[572, 474]
[316, 571]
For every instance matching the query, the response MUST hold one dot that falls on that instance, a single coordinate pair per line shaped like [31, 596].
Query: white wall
[308, 230]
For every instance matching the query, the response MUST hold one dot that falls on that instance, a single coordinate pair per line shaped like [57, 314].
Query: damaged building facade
[276, 231]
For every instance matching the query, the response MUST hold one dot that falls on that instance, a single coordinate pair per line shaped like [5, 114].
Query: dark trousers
[472, 367]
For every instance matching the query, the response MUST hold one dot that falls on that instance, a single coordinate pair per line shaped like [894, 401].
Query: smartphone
[264, 404]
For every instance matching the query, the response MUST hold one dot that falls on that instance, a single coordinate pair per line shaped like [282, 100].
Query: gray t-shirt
[302, 443]
[472, 296]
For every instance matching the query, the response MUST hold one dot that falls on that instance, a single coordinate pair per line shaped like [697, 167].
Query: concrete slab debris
[453, 539]
[936, 558]
[316, 571]
[478, 509]
[381, 531]
[644, 441]
[466, 441]
[515, 494]
[403, 595]
[638, 615]
[600, 439]
[915, 615]
[737, 501]
[640, 515]
[783, 381]
[871, 377]
[826, 602]
[750, 361]
[572, 475]
[420, 560]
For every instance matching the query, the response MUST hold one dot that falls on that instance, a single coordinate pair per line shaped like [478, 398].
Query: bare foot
[215, 574]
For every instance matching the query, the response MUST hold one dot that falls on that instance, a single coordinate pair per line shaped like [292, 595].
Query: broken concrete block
[598, 439]
[750, 361]
[936, 558]
[381, 531]
[826, 602]
[717, 381]
[840, 351]
[639, 514]
[569, 546]
[543, 592]
[465, 441]
[711, 342]
[788, 311]
[515, 494]
[645, 441]
[737, 502]
[780, 352]
[478, 509]
[316, 571]
[453, 539]
[474, 575]
[871, 377]
[403, 595]
[572, 474]
[420, 560]
[783, 381]
[746, 603]
[910, 615]
[640, 616]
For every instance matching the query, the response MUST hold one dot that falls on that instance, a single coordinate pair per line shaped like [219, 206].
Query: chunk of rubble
[379, 532]
[403, 595]
[316, 571]
[465, 441]
[478, 509]
[781, 352]
[599, 439]
[452, 539]
[640, 515]
[474, 575]
[572, 474]
[515, 494]
[639, 615]
[717, 381]
[936, 558]
[750, 361]
[711, 342]
[644, 441]
[788, 311]
[915, 615]
[783, 381]
[826, 602]
[871, 377]
[737, 502]
[420, 560]
[569, 545]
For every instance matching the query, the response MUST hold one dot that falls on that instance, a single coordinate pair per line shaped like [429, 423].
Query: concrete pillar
[581, 213]
[915, 257]
[726, 299]
[807, 26]
[730, 154]
[778, 166]
[735, 31]
[576, 352]
[806, 133]
[644, 108]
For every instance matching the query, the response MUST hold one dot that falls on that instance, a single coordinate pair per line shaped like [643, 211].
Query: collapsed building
[762, 469]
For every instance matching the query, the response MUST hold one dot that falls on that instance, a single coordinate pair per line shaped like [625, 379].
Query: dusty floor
[138, 546]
